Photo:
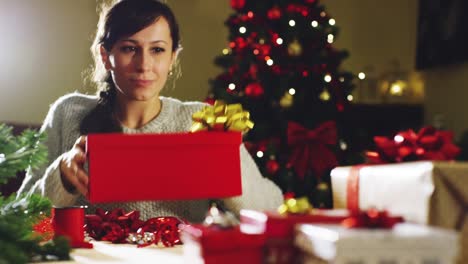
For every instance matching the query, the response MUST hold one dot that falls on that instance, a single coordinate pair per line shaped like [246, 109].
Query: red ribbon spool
[69, 222]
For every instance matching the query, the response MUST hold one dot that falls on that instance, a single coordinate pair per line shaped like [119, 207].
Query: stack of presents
[411, 212]
[396, 213]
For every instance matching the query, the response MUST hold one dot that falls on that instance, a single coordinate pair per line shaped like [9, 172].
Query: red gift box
[279, 230]
[136, 167]
[209, 245]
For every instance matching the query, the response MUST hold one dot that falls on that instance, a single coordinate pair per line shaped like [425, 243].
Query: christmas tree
[18, 242]
[281, 65]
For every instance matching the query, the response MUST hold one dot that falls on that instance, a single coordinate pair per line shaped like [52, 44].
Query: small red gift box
[135, 167]
[212, 245]
[280, 229]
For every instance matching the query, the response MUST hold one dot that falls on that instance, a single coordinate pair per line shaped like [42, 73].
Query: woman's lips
[140, 82]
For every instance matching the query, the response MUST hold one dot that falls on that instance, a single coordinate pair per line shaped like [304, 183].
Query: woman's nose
[144, 61]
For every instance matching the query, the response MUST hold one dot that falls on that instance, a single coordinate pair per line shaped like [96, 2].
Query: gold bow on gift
[222, 117]
[295, 206]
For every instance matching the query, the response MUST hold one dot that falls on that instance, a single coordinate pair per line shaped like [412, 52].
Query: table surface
[105, 252]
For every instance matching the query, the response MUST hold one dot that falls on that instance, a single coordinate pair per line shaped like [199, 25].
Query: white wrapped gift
[403, 244]
[424, 192]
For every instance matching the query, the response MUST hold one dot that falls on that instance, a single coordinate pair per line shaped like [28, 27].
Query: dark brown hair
[121, 19]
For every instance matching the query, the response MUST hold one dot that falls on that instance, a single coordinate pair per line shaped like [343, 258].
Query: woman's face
[139, 64]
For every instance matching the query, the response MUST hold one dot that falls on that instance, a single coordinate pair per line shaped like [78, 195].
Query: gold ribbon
[295, 206]
[222, 117]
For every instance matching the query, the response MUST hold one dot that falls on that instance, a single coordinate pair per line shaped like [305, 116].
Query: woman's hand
[73, 175]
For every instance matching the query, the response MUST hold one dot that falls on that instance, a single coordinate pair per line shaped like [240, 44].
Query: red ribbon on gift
[116, 226]
[352, 188]
[428, 144]
[371, 218]
[310, 148]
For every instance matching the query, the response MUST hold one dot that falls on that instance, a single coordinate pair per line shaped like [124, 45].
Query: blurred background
[44, 50]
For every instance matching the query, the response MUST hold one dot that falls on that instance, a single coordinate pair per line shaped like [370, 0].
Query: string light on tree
[279, 41]
[331, 22]
[350, 97]
[330, 38]
[323, 14]
[399, 138]
[361, 76]
[314, 24]
[343, 145]
[327, 78]
[268, 60]
[242, 30]
[342, 79]
[232, 86]
[292, 23]
[260, 154]
[292, 91]
[225, 51]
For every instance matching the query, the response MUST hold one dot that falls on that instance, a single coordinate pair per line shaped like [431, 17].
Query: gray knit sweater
[62, 127]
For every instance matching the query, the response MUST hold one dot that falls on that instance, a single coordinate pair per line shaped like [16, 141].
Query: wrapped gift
[134, 167]
[423, 192]
[279, 229]
[404, 243]
[206, 244]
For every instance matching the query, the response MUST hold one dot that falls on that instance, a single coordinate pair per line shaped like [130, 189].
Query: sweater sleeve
[46, 180]
[258, 192]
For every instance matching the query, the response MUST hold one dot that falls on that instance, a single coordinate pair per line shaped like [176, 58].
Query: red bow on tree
[310, 149]
[428, 144]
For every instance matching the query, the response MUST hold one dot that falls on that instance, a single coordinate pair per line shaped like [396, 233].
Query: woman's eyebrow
[152, 42]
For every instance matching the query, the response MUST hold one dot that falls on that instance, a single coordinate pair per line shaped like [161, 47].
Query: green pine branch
[18, 242]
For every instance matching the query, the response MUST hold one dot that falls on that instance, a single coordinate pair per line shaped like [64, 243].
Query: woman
[135, 52]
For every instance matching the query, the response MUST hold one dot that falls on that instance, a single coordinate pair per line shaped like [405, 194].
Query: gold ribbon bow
[222, 117]
[295, 206]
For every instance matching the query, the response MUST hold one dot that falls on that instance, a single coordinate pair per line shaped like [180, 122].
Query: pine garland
[18, 243]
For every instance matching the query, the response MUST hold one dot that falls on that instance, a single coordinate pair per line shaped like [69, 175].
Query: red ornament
[272, 166]
[274, 13]
[276, 69]
[44, 227]
[254, 90]
[238, 4]
[253, 70]
[240, 43]
[210, 100]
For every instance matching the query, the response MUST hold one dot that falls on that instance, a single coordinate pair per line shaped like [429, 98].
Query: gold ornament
[287, 100]
[324, 95]
[295, 48]
[222, 117]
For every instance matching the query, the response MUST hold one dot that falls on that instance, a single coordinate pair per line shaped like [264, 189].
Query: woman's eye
[127, 49]
[158, 50]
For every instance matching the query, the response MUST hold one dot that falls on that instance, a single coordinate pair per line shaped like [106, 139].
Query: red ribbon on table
[116, 226]
[310, 148]
[371, 218]
[428, 144]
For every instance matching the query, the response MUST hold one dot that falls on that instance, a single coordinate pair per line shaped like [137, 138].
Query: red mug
[69, 222]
